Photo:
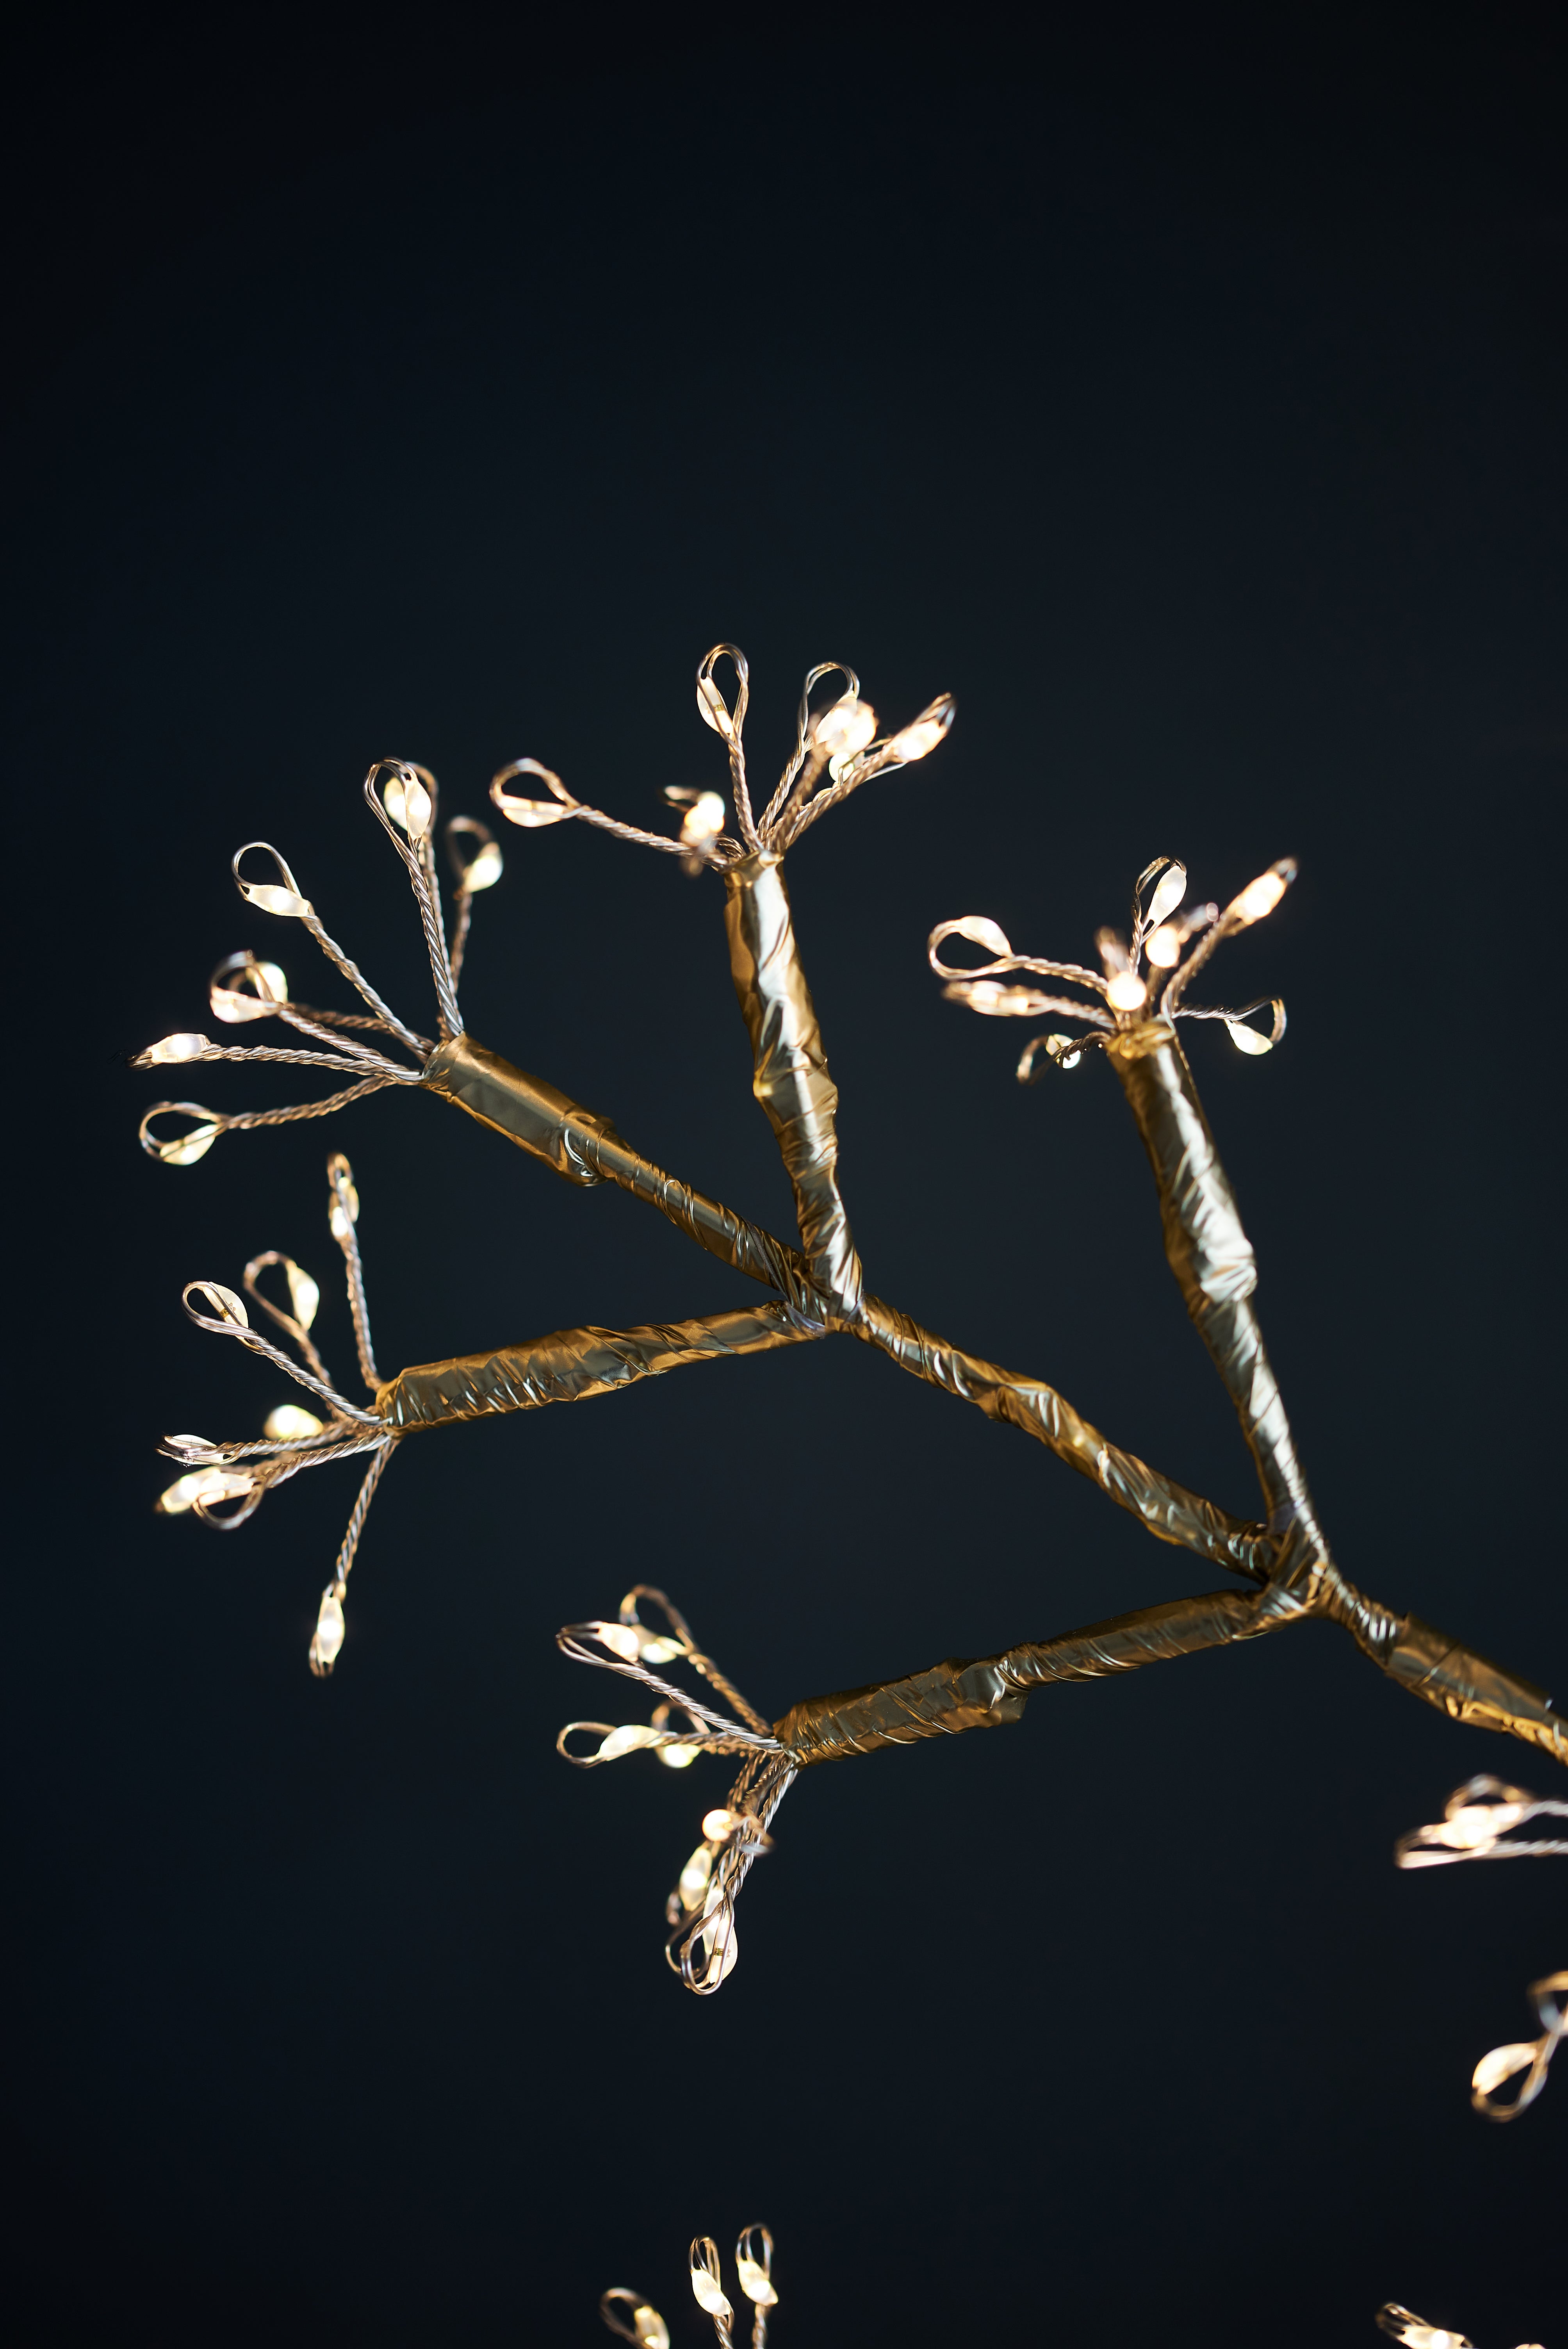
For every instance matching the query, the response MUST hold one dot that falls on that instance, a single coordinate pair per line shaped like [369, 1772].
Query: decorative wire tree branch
[1138, 995]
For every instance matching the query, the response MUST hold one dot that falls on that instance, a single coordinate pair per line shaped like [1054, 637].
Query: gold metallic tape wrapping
[1168, 1509]
[1211, 1258]
[570, 1365]
[791, 1068]
[586, 1148]
[940, 1702]
[958, 1695]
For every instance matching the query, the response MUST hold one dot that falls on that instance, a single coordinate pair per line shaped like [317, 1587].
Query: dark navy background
[1195, 413]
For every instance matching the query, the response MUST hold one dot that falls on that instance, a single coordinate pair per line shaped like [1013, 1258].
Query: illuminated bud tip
[1126, 991]
[183, 1047]
[1164, 947]
[1260, 896]
[288, 1423]
[845, 729]
[921, 737]
[327, 1636]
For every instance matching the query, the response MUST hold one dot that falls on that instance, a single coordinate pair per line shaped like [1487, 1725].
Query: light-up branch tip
[168, 1049]
[483, 868]
[842, 730]
[254, 991]
[289, 902]
[326, 1640]
[706, 2290]
[1401, 2325]
[201, 1487]
[1260, 898]
[288, 1423]
[1477, 1822]
[920, 738]
[648, 2327]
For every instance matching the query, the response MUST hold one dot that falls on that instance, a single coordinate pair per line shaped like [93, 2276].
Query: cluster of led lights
[636, 2319]
[1142, 976]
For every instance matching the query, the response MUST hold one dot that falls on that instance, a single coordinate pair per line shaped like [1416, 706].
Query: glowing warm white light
[677, 1757]
[257, 990]
[532, 815]
[693, 1880]
[1126, 991]
[190, 1146]
[711, 708]
[921, 737]
[408, 805]
[327, 1636]
[718, 1824]
[845, 729]
[1476, 1825]
[267, 895]
[177, 1048]
[707, 2293]
[1260, 896]
[657, 1647]
[621, 1639]
[1248, 1040]
[288, 1423]
[650, 2327]
[484, 870]
[981, 931]
[203, 1484]
[344, 1212]
[627, 1740]
[704, 821]
[1169, 892]
[1502, 2065]
[304, 1294]
[755, 2282]
[1164, 947]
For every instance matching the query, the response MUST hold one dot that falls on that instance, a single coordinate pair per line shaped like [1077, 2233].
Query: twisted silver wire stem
[373, 1476]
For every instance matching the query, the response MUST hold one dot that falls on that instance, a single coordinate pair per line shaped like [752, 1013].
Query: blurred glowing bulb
[718, 1824]
[1164, 947]
[921, 737]
[845, 729]
[289, 1423]
[650, 2327]
[627, 1740]
[257, 990]
[693, 1880]
[705, 2284]
[621, 1639]
[704, 821]
[483, 871]
[1262, 896]
[677, 1757]
[755, 2282]
[203, 1484]
[1126, 991]
[1169, 892]
[327, 1636]
[1502, 2065]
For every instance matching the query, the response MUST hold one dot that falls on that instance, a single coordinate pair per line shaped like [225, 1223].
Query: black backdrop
[1198, 419]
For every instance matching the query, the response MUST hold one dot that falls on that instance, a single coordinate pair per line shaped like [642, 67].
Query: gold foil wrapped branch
[1127, 1004]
